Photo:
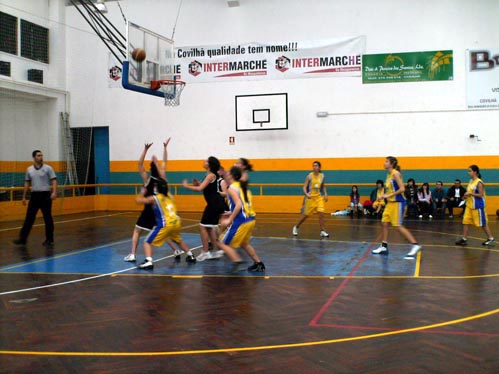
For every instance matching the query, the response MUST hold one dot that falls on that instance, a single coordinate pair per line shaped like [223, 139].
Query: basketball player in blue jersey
[240, 223]
[167, 226]
[315, 198]
[475, 213]
[394, 210]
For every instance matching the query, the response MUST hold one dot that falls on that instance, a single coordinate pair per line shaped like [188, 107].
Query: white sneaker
[130, 258]
[204, 256]
[420, 216]
[295, 230]
[217, 254]
[324, 234]
[430, 216]
[146, 265]
[380, 249]
[413, 252]
[177, 254]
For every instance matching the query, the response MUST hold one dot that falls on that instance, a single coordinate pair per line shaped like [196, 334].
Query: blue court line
[282, 257]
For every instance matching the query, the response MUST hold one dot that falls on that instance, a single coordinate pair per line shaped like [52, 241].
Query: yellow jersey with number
[315, 183]
[392, 186]
[165, 211]
[475, 202]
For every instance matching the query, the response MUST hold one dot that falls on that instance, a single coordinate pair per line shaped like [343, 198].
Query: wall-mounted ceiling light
[101, 6]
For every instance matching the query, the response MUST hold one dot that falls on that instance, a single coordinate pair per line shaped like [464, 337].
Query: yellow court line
[418, 265]
[187, 276]
[256, 348]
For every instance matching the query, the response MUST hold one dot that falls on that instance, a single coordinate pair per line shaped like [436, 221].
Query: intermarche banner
[275, 60]
[407, 67]
[482, 78]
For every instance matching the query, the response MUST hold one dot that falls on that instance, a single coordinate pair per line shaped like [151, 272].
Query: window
[34, 42]
[8, 33]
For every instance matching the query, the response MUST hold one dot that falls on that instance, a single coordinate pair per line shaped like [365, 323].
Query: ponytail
[236, 174]
[476, 169]
[394, 162]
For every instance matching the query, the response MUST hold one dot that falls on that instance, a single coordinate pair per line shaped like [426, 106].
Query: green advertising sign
[407, 67]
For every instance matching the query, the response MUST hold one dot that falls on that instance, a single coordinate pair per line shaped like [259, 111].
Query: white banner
[114, 71]
[482, 78]
[275, 60]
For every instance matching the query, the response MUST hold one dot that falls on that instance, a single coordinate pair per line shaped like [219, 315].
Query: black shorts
[147, 220]
[211, 215]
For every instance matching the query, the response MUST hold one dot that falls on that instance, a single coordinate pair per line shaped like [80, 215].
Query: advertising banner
[482, 78]
[273, 60]
[407, 67]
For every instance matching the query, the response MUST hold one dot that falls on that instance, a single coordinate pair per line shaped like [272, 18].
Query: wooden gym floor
[322, 306]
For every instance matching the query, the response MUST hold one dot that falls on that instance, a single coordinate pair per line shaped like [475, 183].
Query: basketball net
[172, 89]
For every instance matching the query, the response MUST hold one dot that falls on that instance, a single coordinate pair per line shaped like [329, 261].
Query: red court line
[343, 284]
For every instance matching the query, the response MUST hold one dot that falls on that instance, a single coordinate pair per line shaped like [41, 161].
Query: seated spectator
[411, 195]
[378, 202]
[355, 205]
[455, 196]
[439, 198]
[424, 201]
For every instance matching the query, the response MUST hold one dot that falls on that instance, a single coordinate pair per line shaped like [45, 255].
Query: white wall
[49, 14]
[366, 121]
[29, 112]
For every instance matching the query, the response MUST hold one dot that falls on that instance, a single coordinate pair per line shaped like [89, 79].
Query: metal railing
[258, 189]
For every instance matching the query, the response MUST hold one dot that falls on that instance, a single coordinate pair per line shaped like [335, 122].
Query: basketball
[138, 54]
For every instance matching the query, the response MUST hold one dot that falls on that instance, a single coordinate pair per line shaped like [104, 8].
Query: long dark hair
[213, 164]
[162, 186]
[236, 174]
[422, 190]
[154, 170]
[476, 169]
[246, 164]
[394, 162]
[355, 193]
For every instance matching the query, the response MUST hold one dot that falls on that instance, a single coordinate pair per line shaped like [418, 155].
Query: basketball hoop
[172, 89]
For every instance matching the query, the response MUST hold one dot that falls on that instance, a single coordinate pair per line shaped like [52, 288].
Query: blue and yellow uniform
[394, 210]
[242, 227]
[315, 203]
[168, 223]
[475, 214]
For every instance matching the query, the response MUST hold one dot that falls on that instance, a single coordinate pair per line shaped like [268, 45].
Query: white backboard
[262, 112]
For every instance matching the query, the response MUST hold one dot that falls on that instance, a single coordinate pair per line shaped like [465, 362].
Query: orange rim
[155, 85]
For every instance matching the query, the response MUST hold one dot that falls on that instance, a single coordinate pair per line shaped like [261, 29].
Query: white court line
[89, 218]
[84, 279]
[67, 221]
